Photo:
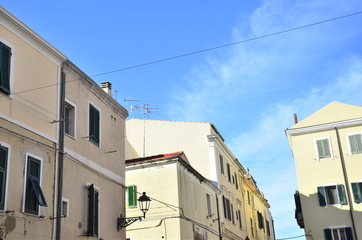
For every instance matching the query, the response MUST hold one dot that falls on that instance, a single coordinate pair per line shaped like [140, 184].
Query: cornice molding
[324, 127]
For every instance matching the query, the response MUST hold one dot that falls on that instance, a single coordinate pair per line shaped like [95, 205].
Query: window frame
[221, 161]
[28, 178]
[5, 85]
[357, 192]
[96, 140]
[228, 172]
[131, 192]
[65, 200]
[71, 106]
[318, 157]
[328, 233]
[350, 153]
[324, 197]
[208, 205]
[94, 231]
[3, 206]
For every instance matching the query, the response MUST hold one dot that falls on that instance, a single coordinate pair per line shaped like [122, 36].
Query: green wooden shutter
[132, 196]
[323, 148]
[96, 213]
[356, 192]
[322, 196]
[328, 234]
[355, 143]
[3, 167]
[90, 230]
[349, 234]
[5, 55]
[341, 194]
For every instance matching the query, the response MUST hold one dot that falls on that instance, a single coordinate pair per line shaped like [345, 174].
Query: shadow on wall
[321, 213]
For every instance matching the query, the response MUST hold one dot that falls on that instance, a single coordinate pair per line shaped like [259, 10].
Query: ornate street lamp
[144, 204]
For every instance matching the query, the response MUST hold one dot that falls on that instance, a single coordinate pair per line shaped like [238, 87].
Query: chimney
[107, 87]
[295, 118]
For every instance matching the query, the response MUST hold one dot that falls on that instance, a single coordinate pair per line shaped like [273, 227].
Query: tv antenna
[146, 108]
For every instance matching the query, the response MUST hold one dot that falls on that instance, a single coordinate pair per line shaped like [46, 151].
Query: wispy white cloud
[253, 89]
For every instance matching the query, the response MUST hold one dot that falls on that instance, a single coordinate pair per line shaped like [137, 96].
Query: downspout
[346, 183]
[60, 152]
[218, 216]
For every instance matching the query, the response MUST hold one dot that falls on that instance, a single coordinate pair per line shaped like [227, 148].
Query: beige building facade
[28, 138]
[327, 151]
[183, 202]
[207, 153]
[61, 144]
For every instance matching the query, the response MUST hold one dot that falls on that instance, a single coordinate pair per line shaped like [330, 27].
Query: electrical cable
[291, 237]
[200, 51]
[226, 45]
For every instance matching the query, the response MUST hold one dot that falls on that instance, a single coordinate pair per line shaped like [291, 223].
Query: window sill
[70, 136]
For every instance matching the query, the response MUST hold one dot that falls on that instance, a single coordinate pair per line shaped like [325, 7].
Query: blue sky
[249, 91]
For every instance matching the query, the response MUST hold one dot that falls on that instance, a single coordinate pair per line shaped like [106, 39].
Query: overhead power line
[226, 45]
[292, 237]
[201, 51]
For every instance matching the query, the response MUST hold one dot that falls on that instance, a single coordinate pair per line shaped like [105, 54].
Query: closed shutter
[3, 166]
[90, 230]
[341, 195]
[328, 234]
[355, 143]
[349, 234]
[322, 196]
[224, 205]
[96, 213]
[323, 148]
[356, 192]
[93, 212]
[94, 124]
[5, 55]
[132, 196]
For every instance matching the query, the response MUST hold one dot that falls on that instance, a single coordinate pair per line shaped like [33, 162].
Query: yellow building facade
[327, 151]
[258, 217]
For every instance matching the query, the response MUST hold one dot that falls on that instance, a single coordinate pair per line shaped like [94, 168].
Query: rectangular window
[93, 211]
[65, 207]
[132, 196]
[5, 55]
[228, 171]
[260, 220]
[330, 195]
[232, 213]
[34, 196]
[208, 202]
[69, 119]
[239, 218]
[226, 203]
[355, 143]
[221, 164]
[251, 227]
[357, 191]
[267, 227]
[323, 148]
[94, 124]
[338, 233]
[3, 174]
[236, 181]
[248, 197]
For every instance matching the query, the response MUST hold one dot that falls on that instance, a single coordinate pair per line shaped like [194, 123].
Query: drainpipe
[346, 183]
[218, 216]
[60, 151]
